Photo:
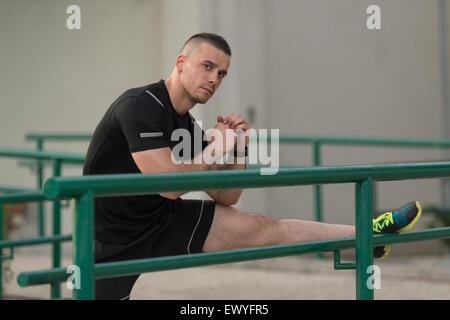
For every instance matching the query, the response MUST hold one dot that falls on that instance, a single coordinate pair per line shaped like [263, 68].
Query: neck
[180, 100]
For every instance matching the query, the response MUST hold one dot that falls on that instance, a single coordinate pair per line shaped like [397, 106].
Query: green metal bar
[115, 269]
[317, 189]
[40, 185]
[363, 245]
[112, 269]
[34, 241]
[55, 290]
[9, 256]
[338, 265]
[32, 164]
[134, 184]
[35, 195]
[385, 142]
[15, 189]
[433, 143]
[66, 157]
[59, 136]
[13, 197]
[83, 240]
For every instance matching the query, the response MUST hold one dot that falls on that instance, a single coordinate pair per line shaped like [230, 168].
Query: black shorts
[186, 235]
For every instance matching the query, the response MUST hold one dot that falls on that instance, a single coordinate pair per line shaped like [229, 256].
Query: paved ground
[297, 277]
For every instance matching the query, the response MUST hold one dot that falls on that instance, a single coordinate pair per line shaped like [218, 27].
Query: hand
[235, 121]
[238, 123]
[227, 134]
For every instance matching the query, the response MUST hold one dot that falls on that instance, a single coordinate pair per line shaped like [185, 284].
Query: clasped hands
[232, 127]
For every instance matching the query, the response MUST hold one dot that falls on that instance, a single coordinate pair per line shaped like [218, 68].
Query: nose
[214, 79]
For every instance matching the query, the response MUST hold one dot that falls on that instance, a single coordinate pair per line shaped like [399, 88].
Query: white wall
[55, 79]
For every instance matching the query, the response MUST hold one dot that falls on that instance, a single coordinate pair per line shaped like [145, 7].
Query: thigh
[188, 230]
[233, 228]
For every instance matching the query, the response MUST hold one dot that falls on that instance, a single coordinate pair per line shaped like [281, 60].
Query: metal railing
[40, 139]
[316, 143]
[21, 194]
[84, 189]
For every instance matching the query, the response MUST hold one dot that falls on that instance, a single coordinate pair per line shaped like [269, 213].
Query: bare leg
[233, 228]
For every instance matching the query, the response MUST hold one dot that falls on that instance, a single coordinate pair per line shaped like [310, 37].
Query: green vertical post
[364, 238]
[40, 183]
[83, 246]
[55, 289]
[317, 189]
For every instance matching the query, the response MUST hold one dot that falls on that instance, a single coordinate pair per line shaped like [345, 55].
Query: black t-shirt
[140, 119]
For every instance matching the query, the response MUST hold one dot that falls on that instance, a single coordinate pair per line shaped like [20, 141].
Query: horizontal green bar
[24, 196]
[36, 154]
[33, 164]
[122, 268]
[58, 136]
[110, 269]
[133, 184]
[432, 143]
[15, 189]
[420, 235]
[34, 241]
[284, 138]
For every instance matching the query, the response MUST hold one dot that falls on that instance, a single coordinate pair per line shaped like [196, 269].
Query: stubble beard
[196, 98]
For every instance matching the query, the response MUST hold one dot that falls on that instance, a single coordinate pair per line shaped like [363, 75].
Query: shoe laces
[384, 221]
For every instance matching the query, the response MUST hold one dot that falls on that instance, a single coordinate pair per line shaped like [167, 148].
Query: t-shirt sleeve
[143, 123]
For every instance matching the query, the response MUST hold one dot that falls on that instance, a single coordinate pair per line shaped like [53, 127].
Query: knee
[263, 223]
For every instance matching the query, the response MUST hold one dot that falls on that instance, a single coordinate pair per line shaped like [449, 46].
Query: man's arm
[226, 197]
[160, 160]
[240, 125]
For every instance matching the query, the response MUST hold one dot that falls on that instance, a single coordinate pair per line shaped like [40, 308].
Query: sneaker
[398, 221]
[381, 252]
[394, 222]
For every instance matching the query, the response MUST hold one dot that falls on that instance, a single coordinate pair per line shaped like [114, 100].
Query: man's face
[203, 72]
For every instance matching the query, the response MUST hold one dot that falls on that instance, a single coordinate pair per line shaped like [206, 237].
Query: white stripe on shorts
[193, 232]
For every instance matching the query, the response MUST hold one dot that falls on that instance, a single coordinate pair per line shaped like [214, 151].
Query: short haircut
[213, 39]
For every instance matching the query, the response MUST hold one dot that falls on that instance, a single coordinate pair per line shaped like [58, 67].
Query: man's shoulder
[145, 92]
[146, 98]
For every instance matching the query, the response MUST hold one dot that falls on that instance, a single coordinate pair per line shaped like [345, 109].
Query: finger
[239, 121]
[230, 117]
[219, 119]
[243, 126]
[234, 119]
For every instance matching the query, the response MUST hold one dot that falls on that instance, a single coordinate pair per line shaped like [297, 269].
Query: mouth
[207, 90]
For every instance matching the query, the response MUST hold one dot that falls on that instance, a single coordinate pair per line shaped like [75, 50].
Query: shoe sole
[412, 223]
[387, 247]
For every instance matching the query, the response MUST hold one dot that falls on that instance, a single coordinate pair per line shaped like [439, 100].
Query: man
[134, 136]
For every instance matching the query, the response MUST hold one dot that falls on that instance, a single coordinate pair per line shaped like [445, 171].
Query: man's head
[201, 65]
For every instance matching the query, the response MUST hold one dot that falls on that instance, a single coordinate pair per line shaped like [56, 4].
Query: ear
[179, 62]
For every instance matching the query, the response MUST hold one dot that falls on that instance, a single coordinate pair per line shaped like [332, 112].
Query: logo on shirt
[150, 134]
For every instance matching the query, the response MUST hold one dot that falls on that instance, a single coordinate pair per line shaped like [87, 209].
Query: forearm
[196, 164]
[227, 197]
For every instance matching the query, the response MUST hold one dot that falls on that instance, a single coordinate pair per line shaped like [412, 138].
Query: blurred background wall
[307, 67]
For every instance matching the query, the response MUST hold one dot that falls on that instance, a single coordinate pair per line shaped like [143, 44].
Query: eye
[207, 66]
